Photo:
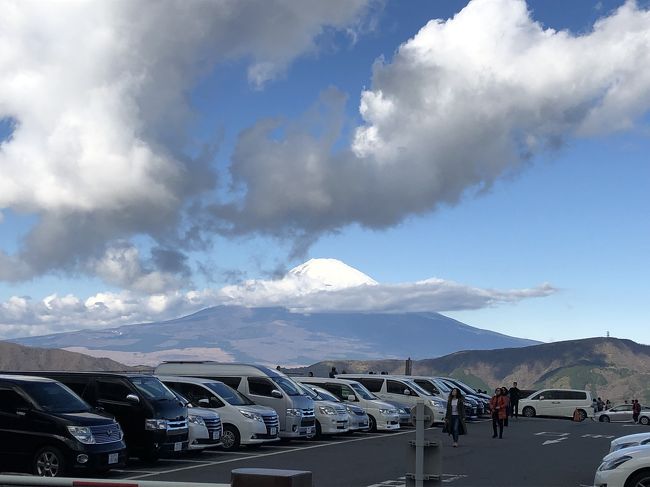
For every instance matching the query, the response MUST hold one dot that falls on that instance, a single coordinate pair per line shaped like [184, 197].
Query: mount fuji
[320, 310]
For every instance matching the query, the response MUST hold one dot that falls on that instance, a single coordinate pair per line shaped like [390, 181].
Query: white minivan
[381, 415]
[262, 385]
[402, 390]
[557, 402]
[244, 422]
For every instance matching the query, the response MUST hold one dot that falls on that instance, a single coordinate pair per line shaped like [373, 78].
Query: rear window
[569, 395]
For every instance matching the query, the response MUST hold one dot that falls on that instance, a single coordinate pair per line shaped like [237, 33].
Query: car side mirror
[407, 392]
[352, 398]
[133, 399]
[204, 402]
[541, 398]
[277, 394]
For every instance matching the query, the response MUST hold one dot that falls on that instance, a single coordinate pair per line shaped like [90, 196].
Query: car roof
[324, 380]
[17, 379]
[192, 380]
[80, 373]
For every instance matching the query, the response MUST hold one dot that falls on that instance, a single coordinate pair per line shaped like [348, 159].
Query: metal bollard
[424, 457]
[268, 477]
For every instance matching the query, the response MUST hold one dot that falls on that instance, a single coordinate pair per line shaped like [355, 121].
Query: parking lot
[534, 452]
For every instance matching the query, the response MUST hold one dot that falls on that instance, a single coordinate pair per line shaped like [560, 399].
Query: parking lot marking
[185, 460]
[550, 442]
[598, 436]
[551, 433]
[207, 464]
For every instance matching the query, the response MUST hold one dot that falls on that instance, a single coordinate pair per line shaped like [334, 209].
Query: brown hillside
[18, 357]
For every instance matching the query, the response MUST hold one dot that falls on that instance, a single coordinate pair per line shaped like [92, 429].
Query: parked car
[331, 418]
[153, 420]
[381, 415]
[401, 390]
[622, 412]
[262, 385]
[441, 389]
[625, 468]
[557, 402]
[244, 422]
[629, 441]
[205, 429]
[47, 426]
[357, 417]
[403, 411]
[475, 399]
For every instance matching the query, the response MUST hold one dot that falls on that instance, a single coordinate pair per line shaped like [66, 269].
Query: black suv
[45, 425]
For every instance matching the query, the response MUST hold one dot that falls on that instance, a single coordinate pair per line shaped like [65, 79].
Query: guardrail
[31, 481]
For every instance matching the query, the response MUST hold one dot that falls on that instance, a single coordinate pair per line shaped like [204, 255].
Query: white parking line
[179, 460]
[208, 464]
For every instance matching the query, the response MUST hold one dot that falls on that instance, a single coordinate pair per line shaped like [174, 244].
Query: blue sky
[573, 215]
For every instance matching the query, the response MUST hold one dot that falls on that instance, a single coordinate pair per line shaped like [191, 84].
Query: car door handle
[555, 402]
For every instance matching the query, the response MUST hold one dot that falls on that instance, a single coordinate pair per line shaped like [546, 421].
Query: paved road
[534, 453]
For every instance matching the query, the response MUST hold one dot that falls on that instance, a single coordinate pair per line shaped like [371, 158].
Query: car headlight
[388, 412]
[294, 412]
[196, 420]
[349, 409]
[437, 404]
[327, 410]
[82, 434]
[614, 463]
[155, 424]
[625, 445]
[251, 415]
[402, 411]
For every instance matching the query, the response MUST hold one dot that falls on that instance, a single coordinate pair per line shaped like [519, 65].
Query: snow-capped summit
[330, 274]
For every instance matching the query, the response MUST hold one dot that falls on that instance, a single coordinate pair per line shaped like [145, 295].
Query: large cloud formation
[97, 94]
[462, 103]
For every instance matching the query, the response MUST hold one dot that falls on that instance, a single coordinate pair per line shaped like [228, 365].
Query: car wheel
[582, 414]
[644, 420]
[639, 479]
[529, 412]
[49, 462]
[230, 440]
[372, 424]
[319, 429]
[604, 419]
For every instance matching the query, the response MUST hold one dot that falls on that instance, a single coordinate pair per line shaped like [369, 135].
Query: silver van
[262, 385]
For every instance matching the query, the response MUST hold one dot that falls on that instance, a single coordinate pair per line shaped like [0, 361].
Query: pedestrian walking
[515, 395]
[636, 410]
[498, 405]
[333, 373]
[504, 393]
[455, 417]
[601, 404]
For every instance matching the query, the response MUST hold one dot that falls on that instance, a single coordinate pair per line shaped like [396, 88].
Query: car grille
[213, 424]
[271, 421]
[106, 433]
[307, 422]
[174, 425]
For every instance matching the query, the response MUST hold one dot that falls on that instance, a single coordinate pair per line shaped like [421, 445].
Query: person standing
[636, 410]
[333, 373]
[498, 405]
[455, 417]
[515, 395]
[608, 404]
[504, 394]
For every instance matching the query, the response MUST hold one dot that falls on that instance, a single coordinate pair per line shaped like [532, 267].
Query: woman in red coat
[498, 407]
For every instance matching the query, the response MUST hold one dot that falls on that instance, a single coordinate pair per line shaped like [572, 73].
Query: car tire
[604, 419]
[49, 462]
[319, 430]
[639, 479]
[582, 415]
[529, 412]
[231, 439]
[372, 424]
[644, 420]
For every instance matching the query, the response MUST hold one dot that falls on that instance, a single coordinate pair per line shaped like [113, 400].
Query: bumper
[99, 457]
[332, 425]
[256, 433]
[388, 423]
[358, 423]
[611, 478]
[299, 427]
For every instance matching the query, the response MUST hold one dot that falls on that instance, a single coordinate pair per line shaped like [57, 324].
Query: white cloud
[464, 102]
[319, 285]
[98, 93]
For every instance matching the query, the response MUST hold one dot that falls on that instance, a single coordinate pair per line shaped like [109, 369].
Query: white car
[629, 441]
[331, 418]
[625, 468]
[557, 402]
[204, 426]
[358, 419]
[623, 412]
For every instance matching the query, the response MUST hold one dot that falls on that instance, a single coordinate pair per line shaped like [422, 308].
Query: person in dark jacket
[498, 408]
[504, 393]
[636, 410]
[455, 417]
[333, 372]
[515, 395]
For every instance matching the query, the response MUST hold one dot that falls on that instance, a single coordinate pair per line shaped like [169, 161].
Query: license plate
[178, 446]
[215, 435]
[310, 431]
[274, 431]
[113, 458]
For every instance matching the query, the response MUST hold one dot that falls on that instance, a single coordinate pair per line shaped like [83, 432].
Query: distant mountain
[18, 357]
[278, 336]
[612, 368]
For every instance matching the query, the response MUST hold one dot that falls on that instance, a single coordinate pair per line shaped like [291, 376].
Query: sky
[484, 159]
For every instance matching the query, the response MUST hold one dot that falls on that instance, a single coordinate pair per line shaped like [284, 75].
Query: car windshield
[288, 386]
[326, 395]
[311, 393]
[443, 386]
[228, 394]
[417, 388]
[152, 388]
[362, 391]
[180, 397]
[460, 386]
[55, 398]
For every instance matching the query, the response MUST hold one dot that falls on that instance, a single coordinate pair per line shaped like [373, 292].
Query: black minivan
[45, 425]
[152, 418]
